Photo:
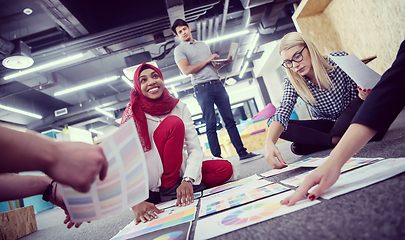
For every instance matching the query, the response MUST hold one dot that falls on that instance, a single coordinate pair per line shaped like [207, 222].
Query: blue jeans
[207, 95]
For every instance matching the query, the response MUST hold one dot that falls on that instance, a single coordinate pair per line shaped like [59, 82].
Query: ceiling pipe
[204, 29]
[215, 33]
[111, 37]
[210, 27]
[6, 48]
[226, 5]
[198, 26]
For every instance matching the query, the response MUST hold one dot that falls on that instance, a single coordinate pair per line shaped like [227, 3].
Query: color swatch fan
[126, 183]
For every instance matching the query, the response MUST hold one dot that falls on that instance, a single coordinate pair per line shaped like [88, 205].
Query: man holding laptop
[195, 58]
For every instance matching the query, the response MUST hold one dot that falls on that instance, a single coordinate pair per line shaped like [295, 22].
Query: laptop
[232, 53]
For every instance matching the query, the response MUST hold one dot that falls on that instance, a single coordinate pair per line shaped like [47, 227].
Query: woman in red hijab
[173, 153]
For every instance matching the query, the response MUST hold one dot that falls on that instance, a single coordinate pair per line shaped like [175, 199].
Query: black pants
[386, 100]
[320, 132]
[169, 193]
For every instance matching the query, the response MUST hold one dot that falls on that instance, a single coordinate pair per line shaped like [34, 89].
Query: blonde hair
[319, 63]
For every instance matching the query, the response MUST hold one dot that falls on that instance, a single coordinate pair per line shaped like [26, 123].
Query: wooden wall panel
[363, 28]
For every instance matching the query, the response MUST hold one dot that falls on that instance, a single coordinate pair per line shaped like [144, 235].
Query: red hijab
[139, 105]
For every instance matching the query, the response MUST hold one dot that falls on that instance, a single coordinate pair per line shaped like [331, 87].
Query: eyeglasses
[296, 58]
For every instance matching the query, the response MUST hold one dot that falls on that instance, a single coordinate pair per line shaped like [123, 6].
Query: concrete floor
[374, 212]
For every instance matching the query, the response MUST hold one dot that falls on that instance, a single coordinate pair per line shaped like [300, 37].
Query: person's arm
[187, 69]
[14, 186]
[278, 124]
[273, 155]
[194, 159]
[327, 174]
[71, 163]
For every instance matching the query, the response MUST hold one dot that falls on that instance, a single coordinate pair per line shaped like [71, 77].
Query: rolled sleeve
[287, 104]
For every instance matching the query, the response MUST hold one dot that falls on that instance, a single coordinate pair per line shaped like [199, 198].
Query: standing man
[194, 57]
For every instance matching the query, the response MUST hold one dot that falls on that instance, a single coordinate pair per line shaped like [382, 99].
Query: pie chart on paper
[169, 236]
[251, 213]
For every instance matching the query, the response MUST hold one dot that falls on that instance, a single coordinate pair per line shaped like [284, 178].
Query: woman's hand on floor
[185, 194]
[325, 176]
[273, 156]
[145, 211]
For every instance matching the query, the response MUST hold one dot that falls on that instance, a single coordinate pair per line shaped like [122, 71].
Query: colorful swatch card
[172, 203]
[178, 232]
[365, 176]
[234, 197]
[350, 164]
[278, 171]
[357, 162]
[309, 162]
[296, 180]
[126, 183]
[246, 215]
[170, 217]
[230, 185]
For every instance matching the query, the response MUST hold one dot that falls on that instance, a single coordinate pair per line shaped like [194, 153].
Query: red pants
[169, 140]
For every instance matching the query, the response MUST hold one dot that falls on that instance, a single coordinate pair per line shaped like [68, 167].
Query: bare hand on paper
[273, 156]
[325, 176]
[145, 211]
[185, 194]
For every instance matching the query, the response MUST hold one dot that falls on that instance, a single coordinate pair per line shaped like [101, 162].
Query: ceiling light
[18, 62]
[87, 85]
[244, 32]
[175, 79]
[21, 57]
[27, 11]
[237, 105]
[196, 117]
[96, 131]
[174, 91]
[243, 69]
[21, 112]
[230, 81]
[252, 46]
[34, 69]
[127, 81]
[105, 112]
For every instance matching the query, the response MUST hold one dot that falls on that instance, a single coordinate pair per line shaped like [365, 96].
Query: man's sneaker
[250, 157]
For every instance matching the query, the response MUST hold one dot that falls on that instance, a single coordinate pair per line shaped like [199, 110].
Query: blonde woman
[331, 94]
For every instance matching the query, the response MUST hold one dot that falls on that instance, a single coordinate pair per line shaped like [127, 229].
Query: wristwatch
[188, 179]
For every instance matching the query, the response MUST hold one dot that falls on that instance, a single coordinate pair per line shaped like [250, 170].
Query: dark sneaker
[305, 149]
[250, 157]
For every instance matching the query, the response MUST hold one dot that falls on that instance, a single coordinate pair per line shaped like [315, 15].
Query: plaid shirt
[329, 103]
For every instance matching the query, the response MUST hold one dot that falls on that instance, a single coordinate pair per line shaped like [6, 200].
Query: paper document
[364, 76]
[170, 217]
[365, 176]
[230, 185]
[246, 215]
[238, 196]
[126, 183]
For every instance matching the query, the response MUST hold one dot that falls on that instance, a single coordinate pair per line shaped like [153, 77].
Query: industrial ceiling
[112, 36]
